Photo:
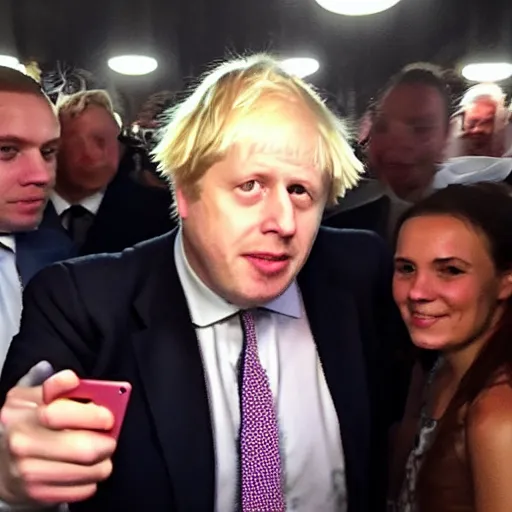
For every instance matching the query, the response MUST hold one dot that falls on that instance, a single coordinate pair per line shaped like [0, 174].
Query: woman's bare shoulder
[490, 415]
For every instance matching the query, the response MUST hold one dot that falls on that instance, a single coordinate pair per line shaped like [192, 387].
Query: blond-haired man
[90, 150]
[89, 158]
[251, 347]
[96, 205]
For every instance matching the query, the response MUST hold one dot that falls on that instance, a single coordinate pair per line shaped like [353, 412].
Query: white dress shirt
[10, 295]
[311, 447]
[91, 204]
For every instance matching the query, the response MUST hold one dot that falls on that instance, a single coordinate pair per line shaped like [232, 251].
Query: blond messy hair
[75, 104]
[201, 129]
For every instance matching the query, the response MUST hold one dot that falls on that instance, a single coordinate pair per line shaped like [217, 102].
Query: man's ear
[181, 203]
[505, 291]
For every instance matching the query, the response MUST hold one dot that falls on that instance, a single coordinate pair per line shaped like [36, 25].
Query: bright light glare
[356, 7]
[119, 119]
[11, 62]
[133, 64]
[487, 71]
[300, 66]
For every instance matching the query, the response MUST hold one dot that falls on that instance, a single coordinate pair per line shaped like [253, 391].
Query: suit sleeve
[389, 371]
[54, 327]
[396, 350]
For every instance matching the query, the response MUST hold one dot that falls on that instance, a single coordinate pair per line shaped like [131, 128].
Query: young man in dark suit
[257, 346]
[29, 139]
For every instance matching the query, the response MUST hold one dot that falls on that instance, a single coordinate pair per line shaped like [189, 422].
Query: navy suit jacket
[125, 317]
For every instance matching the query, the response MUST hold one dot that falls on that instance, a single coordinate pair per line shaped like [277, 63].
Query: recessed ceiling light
[487, 71]
[9, 61]
[356, 7]
[133, 64]
[300, 66]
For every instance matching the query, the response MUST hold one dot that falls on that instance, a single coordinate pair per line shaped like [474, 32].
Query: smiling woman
[453, 285]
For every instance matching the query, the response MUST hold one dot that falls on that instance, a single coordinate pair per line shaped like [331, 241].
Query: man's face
[252, 227]
[408, 138]
[478, 129]
[90, 153]
[29, 138]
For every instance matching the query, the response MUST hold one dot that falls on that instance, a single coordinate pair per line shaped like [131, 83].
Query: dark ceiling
[357, 54]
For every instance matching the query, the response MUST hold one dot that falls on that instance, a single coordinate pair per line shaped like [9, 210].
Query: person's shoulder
[489, 424]
[357, 258]
[489, 445]
[109, 268]
[351, 243]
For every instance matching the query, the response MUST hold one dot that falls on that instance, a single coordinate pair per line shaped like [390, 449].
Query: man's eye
[8, 152]
[297, 189]
[248, 186]
[422, 130]
[49, 153]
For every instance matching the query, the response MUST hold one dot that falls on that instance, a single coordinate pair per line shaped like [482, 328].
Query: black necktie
[80, 220]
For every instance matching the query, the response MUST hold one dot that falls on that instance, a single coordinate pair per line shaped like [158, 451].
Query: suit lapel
[51, 220]
[333, 318]
[43, 246]
[170, 365]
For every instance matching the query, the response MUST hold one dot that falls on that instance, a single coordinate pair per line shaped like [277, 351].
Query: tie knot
[79, 221]
[77, 210]
[248, 325]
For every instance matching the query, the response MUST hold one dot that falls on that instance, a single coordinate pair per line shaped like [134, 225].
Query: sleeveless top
[446, 484]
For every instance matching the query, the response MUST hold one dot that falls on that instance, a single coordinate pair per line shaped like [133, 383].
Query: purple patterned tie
[259, 433]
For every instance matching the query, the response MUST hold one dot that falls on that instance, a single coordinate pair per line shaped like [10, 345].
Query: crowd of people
[301, 330]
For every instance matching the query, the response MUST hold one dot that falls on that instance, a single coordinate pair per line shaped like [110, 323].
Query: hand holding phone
[112, 395]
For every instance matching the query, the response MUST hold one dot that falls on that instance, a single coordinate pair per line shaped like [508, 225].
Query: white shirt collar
[91, 203]
[207, 308]
[9, 242]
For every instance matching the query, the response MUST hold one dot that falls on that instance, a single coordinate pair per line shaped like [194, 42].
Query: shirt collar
[9, 242]
[91, 203]
[208, 308]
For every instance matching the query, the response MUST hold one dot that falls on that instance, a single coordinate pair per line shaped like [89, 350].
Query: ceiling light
[356, 7]
[133, 64]
[300, 66]
[11, 62]
[487, 71]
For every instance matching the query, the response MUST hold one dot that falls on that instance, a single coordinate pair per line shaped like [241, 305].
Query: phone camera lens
[122, 391]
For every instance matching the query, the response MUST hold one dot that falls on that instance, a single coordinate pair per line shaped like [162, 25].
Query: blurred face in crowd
[29, 139]
[252, 227]
[446, 284]
[89, 155]
[478, 129]
[408, 137]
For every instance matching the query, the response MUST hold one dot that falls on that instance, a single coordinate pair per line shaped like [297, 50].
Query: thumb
[36, 375]
[59, 384]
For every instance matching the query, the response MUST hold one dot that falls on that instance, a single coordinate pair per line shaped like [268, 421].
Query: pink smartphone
[112, 395]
